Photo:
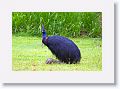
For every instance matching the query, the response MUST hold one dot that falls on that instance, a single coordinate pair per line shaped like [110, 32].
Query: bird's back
[63, 47]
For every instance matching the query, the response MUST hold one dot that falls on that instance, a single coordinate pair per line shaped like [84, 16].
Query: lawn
[29, 55]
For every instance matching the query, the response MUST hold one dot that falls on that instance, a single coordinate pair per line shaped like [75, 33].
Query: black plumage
[63, 48]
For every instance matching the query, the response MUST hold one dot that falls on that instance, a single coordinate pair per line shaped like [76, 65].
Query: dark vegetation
[68, 24]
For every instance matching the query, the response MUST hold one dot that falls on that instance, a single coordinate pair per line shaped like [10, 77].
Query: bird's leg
[57, 61]
[50, 61]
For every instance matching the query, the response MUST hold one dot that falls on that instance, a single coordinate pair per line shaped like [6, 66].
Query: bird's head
[43, 28]
[43, 32]
[44, 35]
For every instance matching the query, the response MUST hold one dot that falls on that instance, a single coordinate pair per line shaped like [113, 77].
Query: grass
[28, 55]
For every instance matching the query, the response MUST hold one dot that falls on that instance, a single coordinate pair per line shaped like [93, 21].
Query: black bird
[63, 48]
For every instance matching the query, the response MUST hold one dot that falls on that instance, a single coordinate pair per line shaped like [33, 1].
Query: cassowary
[63, 48]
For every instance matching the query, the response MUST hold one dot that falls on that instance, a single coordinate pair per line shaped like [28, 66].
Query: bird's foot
[50, 61]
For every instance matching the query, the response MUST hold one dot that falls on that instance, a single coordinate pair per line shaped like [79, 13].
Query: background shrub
[69, 24]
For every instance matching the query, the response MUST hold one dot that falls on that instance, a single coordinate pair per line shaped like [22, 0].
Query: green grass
[28, 55]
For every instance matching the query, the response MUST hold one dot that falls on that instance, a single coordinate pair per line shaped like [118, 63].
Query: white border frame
[104, 6]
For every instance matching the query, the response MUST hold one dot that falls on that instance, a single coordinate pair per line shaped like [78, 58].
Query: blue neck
[44, 35]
